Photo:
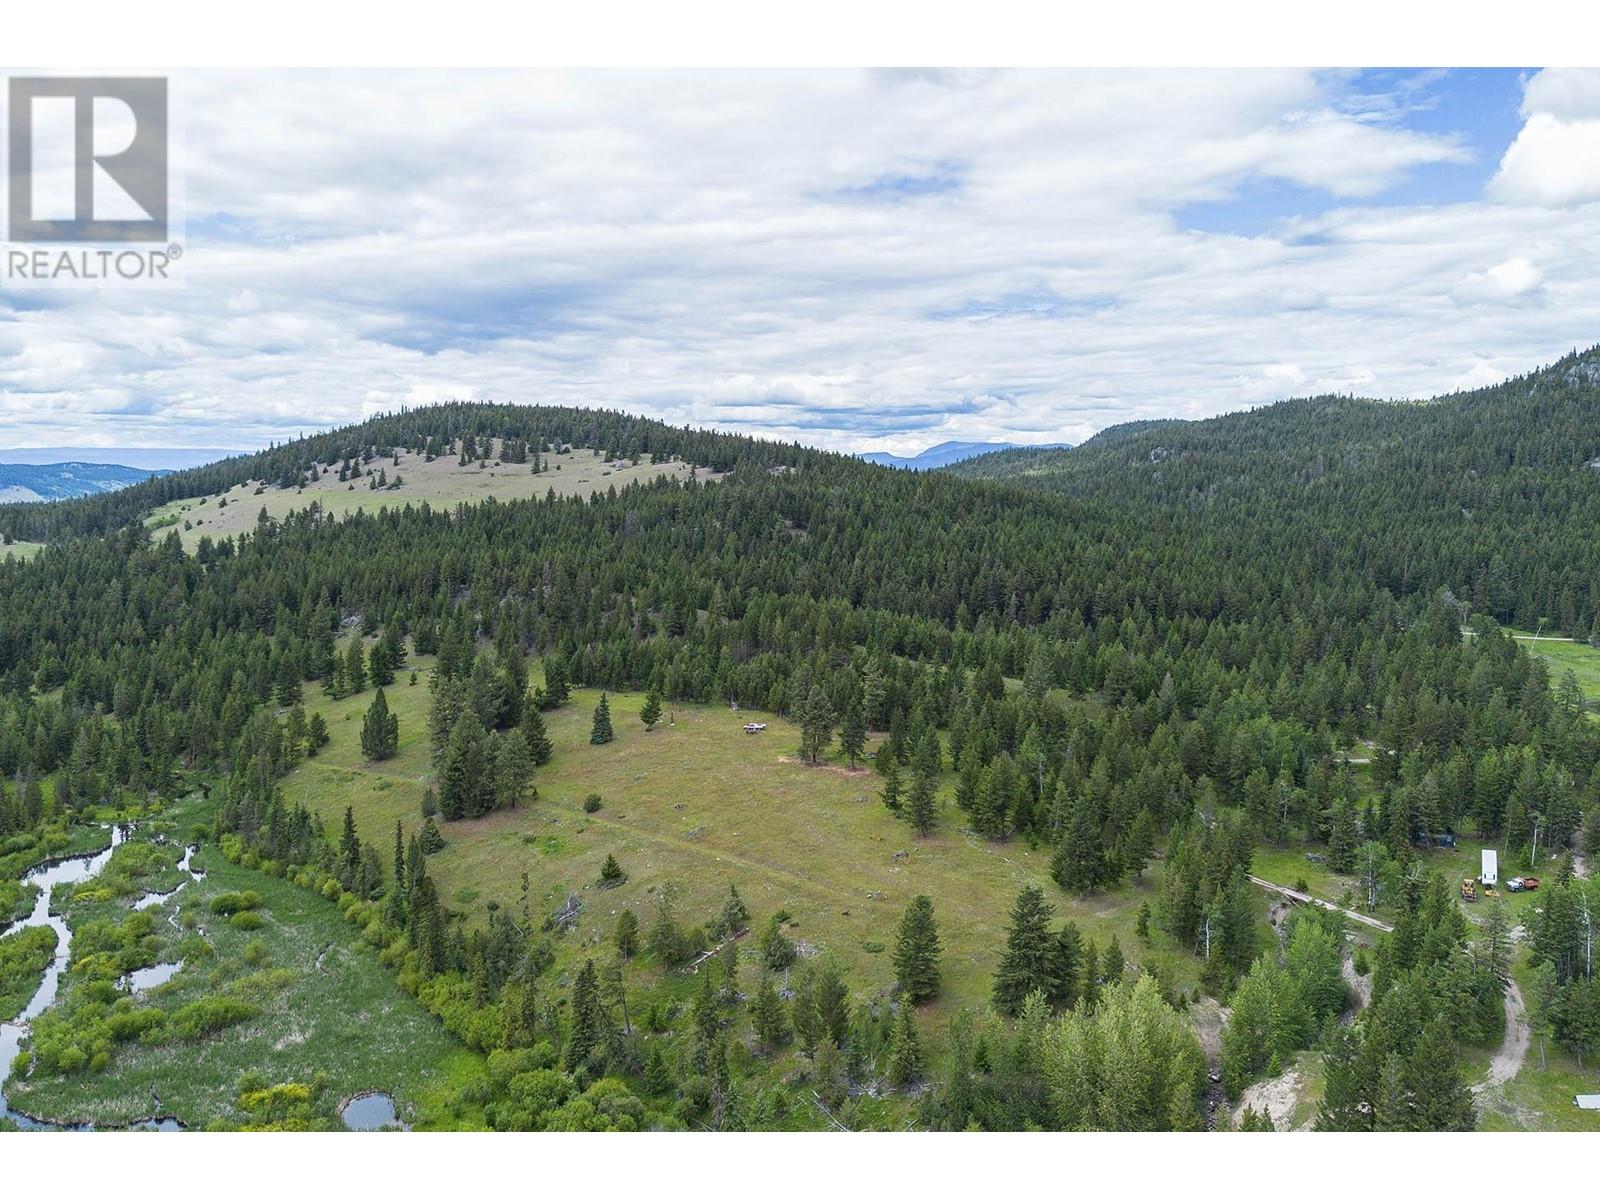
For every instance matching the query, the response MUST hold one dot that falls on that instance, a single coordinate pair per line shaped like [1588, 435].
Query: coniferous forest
[1172, 667]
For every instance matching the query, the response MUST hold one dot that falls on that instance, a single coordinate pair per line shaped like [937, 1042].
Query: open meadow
[1561, 656]
[699, 804]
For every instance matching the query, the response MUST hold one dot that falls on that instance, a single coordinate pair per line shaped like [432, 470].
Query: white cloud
[1513, 279]
[803, 254]
[1555, 159]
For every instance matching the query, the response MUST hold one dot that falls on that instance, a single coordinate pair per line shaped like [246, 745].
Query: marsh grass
[327, 1004]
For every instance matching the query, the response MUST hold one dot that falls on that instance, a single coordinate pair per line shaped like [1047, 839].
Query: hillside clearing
[700, 804]
[442, 483]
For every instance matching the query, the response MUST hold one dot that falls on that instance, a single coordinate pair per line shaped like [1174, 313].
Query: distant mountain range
[946, 453]
[25, 483]
[160, 458]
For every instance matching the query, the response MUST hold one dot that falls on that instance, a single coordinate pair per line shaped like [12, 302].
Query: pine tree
[816, 719]
[316, 734]
[1079, 862]
[733, 917]
[891, 784]
[355, 671]
[556, 691]
[650, 712]
[1441, 1100]
[777, 951]
[873, 691]
[853, 734]
[1344, 834]
[462, 774]
[380, 731]
[380, 667]
[905, 1064]
[627, 934]
[611, 873]
[923, 804]
[588, 1022]
[1029, 961]
[602, 732]
[728, 970]
[513, 770]
[1112, 965]
[431, 841]
[1069, 965]
[771, 1026]
[349, 848]
[533, 731]
[917, 952]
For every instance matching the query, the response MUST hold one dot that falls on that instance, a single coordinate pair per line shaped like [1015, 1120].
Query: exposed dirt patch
[1360, 985]
[1208, 1018]
[1278, 1097]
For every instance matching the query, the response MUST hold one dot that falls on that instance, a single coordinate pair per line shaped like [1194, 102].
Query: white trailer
[1491, 868]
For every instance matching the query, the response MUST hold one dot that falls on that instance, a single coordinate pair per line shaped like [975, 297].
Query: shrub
[229, 903]
[246, 921]
[591, 802]
[210, 1014]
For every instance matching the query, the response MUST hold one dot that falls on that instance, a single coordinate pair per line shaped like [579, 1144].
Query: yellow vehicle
[1469, 890]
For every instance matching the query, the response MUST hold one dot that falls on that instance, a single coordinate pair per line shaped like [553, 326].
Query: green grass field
[700, 804]
[441, 484]
[1582, 659]
[23, 550]
[340, 1011]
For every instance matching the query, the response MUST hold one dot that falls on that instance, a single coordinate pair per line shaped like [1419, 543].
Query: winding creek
[369, 1110]
[47, 876]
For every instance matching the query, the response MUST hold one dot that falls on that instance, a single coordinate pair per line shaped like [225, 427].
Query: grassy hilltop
[442, 483]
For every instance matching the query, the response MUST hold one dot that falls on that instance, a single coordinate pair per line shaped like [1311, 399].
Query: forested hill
[616, 433]
[25, 482]
[1493, 494]
[1227, 608]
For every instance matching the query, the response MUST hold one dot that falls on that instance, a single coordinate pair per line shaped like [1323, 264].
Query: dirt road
[1507, 1060]
[1302, 898]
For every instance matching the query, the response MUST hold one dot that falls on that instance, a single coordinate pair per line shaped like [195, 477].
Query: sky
[855, 260]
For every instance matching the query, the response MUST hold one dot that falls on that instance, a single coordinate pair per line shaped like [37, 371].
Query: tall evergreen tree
[905, 1060]
[853, 734]
[556, 687]
[650, 711]
[917, 952]
[922, 804]
[533, 731]
[601, 732]
[816, 718]
[1029, 961]
[380, 731]
[1079, 862]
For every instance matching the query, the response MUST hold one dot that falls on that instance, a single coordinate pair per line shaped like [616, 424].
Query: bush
[591, 802]
[229, 903]
[246, 921]
[211, 1014]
